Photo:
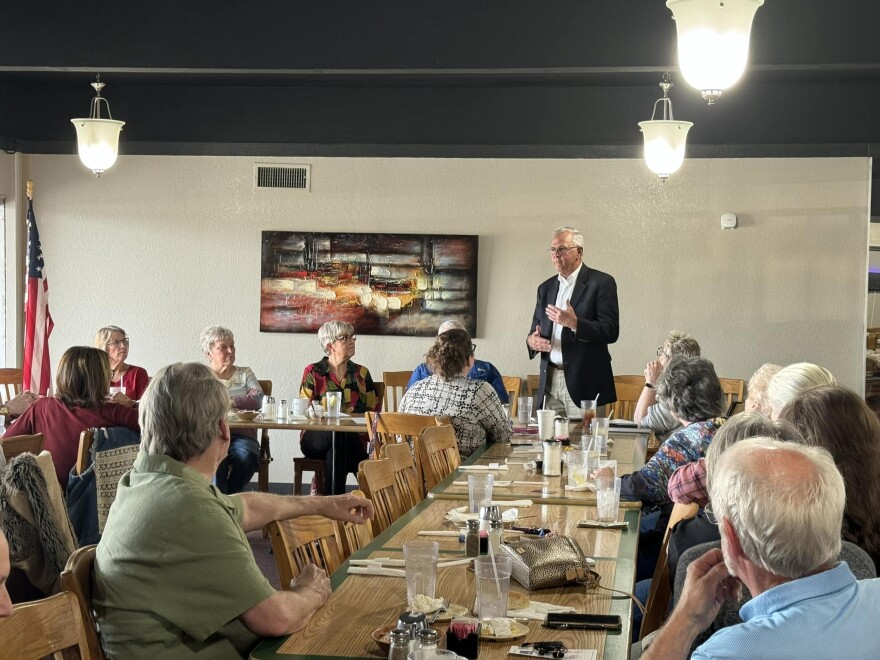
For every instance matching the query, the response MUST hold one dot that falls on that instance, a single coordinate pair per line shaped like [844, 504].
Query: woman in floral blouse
[337, 373]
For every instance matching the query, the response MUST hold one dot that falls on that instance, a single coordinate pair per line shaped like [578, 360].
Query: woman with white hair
[756, 390]
[245, 393]
[790, 381]
[337, 373]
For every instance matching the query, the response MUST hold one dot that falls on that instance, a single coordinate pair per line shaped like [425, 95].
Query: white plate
[517, 630]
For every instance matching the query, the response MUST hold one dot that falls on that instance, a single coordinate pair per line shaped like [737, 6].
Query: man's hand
[652, 371]
[18, 404]
[348, 508]
[564, 315]
[313, 583]
[707, 586]
[537, 343]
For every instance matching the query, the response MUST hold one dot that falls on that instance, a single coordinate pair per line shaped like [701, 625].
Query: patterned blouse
[472, 404]
[650, 484]
[358, 391]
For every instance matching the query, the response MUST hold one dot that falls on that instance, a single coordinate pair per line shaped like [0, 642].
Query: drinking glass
[578, 468]
[420, 566]
[493, 583]
[589, 409]
[333, 403]
[600, 426]
[607, 498]
[480, 491]
[523, 410]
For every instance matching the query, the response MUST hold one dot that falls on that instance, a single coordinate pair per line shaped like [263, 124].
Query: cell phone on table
[574, 621]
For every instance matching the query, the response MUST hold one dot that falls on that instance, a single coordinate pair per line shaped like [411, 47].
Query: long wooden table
[333, 424]
[361, 603]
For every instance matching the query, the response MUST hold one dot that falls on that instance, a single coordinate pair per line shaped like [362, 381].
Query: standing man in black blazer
[575, 319]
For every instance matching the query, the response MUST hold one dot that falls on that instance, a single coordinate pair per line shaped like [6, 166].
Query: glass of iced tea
[589, 409]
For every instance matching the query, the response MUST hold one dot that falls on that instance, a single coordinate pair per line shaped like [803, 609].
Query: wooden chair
[392, 428]
[513, 385]
[394, 381]
[84, 453]
[77, 579]
[629, 388]
[377, 481]
[265, 450]
[532, 384]
[438, 454]
[304, 540]
[10, 383]
[734, 393]
[409, 480]
[354, 536]
[48, 627]
[20, 444]
[661, 586]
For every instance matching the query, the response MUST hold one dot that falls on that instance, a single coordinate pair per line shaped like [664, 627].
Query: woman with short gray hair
[245, 393]
[790, 381]
[337, 373]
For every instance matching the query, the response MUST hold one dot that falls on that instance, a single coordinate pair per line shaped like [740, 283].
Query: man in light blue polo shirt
[779, 508]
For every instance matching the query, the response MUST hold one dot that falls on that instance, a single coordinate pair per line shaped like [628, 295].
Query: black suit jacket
[585, 354]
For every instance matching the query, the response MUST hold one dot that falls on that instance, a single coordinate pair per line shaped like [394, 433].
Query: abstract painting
[383, 284]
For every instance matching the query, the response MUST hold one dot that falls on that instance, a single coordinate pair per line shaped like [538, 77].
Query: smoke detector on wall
[282, 176]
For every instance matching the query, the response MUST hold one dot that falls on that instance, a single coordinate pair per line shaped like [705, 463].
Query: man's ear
[734, 547]
[224, 431]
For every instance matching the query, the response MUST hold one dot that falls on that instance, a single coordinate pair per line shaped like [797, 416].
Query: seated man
[779, 508]
[480, 371]
[175, 576]
[651, 413]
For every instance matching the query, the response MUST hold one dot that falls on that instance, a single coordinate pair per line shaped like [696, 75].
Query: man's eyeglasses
[473, 348]
[561, 250]
[346, 338]
[709, 514]
[116, 343]
[661, 352]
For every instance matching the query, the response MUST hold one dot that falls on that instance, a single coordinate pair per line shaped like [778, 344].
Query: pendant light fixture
[97, 139]
[713, 42]
[665, 138]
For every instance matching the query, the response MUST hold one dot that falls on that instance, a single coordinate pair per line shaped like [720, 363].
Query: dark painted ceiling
[458, 78]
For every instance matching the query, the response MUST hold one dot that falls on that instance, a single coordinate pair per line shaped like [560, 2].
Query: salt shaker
[428, 639]
[496, 529]
[399, 648]
[268, 409]
[552, 458]
[282, 411]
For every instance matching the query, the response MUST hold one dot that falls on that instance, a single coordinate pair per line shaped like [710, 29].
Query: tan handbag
[553, 561]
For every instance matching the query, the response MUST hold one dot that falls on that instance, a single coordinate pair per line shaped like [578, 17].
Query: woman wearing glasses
[129, 381]
[473, 405]
[336, 372]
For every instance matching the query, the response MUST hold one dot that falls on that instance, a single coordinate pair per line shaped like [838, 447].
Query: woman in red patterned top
[130, 380]
[337, 373]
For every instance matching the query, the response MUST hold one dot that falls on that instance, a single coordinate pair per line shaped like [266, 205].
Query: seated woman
[649, 412]
[756, 390]
[473, 405]
[791, 381]
[131, 380]
[245, 393]
[337, 373]
[79, 404]
[480, 370]
[838, 419]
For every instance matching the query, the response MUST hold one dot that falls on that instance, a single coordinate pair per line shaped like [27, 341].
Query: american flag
[38, 322]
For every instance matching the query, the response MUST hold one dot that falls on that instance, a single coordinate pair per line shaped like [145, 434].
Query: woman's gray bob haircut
[211, 335]
[181, 410]
[785, 502]
[328, 333]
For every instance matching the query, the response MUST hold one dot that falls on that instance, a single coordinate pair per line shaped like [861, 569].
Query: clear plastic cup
[607, 498]
[420, 566]
[493, 583]
[480, 491]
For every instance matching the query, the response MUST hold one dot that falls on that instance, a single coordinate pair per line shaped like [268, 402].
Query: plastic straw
[495, 573]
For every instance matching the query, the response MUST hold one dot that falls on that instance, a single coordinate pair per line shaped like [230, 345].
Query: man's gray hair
[743, 426]
[328, 333]
[785, 502]
[181, 410]
[577, 238]
[450, 324]
[794, 379]
[690, 388]
[756, 390]
[212, 334]
[679, 343]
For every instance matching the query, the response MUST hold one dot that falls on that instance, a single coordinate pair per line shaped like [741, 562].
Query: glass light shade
[664, 145]
[97, 142]
[713, 41]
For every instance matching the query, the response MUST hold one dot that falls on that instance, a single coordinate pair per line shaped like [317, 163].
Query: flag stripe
[38, 322]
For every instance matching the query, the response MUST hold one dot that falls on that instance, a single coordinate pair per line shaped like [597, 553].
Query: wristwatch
[4, 409]
[649, 386]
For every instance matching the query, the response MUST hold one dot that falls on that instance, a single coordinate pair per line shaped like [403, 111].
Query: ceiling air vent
[290, 177]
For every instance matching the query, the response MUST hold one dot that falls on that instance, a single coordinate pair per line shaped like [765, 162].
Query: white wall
[166, 245]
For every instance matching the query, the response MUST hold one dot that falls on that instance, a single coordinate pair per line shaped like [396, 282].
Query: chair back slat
[377, 481]
[10, 383]
[438, 454]
[532, 384]
[20, 444]
[77, 579]
[409, 481]
[395, 386]
[304, 540]
[629, 389]
[45, 628]
[734, 393]
[513, 386]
